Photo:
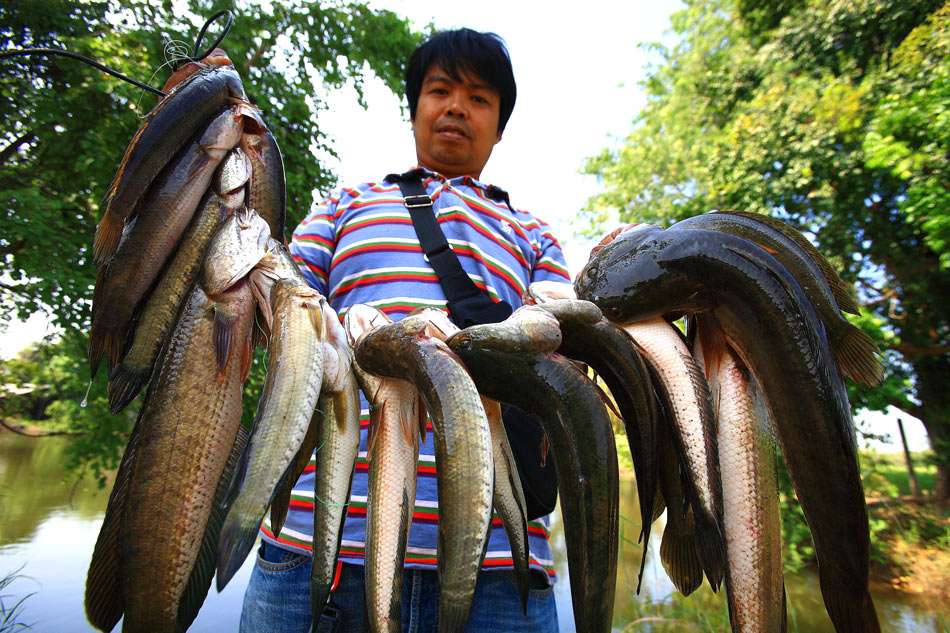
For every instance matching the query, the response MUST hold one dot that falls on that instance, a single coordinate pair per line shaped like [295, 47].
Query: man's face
[456, 123]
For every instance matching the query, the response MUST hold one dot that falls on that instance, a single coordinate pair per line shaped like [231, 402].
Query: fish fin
[199, 165]
[281, 503]
[843, 295]
[857, 356]
[125, 382]
[681, 561]
[607, 400]
[108, 235]
[659, 503]
[203, 570]
[104, 597]
[376, 414]
[408, 417]
[247, 358]
[223, 335]
[316, 318]
[849, 605]
[423, 419]
[712, 549]
[543, 447]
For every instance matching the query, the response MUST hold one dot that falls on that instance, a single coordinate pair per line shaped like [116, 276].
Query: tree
[831, 116]
[64, 126]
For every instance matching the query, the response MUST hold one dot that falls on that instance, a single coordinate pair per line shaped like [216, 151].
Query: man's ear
[497, 140]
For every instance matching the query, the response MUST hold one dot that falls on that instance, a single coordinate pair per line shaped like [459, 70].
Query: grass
[10, 613]
[892, 467]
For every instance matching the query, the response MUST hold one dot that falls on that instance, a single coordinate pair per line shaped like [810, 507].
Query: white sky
[578, 71]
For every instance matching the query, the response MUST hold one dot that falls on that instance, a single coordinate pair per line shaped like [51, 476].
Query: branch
[11, 149]
[42, 434]
[909, 349]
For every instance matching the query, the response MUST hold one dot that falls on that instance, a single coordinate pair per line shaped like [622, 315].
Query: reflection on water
[49, 527]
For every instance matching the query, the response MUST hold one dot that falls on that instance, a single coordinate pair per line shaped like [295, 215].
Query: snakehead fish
[513, 361]
[396, 423]
[462, 450]
[615, 356]
[186, 432]
[126, 280]
[770, 324]
[291, 388]
[694, 432]
[166, 130]
[338, 444]
[678, 551]
[158, 314]
[267, 193]
[508, 495]
[854, 351]
[747, 460]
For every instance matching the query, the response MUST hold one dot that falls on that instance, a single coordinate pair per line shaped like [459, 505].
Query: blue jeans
[278, 599]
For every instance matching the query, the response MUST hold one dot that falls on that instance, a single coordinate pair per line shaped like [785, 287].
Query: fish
[338, 441]
[683, 383]
[679, 554]
[167, 128]
[126, 280]
[185, 438]
[855, 352]
[396, 423]
[267, 193]
[514, 362]
[752, 525]
[463, 451]
[770, 324]
[158, 314]
[617, 359]
[291, 388]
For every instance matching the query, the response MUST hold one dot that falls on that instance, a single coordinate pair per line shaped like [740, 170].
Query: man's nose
[457, 107]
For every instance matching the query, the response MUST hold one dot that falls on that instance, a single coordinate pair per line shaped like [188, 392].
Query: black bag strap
[467, 304]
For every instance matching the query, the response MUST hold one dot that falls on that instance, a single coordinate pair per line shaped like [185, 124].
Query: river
[48, 527]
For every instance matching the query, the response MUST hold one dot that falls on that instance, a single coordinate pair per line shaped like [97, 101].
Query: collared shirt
[359, 246]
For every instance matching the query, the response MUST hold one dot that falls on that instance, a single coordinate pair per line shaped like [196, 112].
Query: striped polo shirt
[359, 246]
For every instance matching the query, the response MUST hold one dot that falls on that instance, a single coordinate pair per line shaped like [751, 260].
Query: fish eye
[592, 271]
[463, 342]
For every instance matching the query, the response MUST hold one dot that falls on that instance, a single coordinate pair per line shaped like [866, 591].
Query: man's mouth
[452, 130]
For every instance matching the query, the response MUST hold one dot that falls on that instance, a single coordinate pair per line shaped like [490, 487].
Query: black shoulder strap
[467, 304]
[456, 284]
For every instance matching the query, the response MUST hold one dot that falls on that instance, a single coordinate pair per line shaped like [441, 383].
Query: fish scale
[694, 431]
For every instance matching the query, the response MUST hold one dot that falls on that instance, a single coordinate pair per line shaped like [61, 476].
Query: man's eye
[478, 99]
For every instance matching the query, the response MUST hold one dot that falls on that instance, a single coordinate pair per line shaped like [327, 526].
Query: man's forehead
[437, 73]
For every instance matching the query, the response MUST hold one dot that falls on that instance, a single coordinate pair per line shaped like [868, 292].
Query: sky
[578, 72]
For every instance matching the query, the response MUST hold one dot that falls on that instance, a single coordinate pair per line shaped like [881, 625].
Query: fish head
[239, 244]
[360, 319]
[529, 329]
[233, 173]
[629, 279]
[542, 291]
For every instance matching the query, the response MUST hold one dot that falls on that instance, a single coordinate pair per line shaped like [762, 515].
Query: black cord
[82, 58]
[227, 27]
[194, 58]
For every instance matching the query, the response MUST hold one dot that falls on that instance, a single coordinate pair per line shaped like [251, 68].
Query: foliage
[832, 116]
[65, 126]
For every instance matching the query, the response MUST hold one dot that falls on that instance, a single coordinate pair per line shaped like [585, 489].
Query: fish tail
[108, 235]
[223, 336]
[850, 609]
[681, 561]
[857, 356]
[110, 344]
[712, 550]
[237, 538]
[125, 382]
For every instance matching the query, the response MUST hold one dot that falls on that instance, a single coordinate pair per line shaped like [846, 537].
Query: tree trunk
[914, 486]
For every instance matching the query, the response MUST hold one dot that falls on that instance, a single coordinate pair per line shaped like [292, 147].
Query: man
[360, 246]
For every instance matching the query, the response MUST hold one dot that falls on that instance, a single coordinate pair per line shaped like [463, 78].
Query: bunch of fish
[761, 363]
[193, 275]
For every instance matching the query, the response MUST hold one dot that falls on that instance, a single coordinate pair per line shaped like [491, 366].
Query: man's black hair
[468, 51]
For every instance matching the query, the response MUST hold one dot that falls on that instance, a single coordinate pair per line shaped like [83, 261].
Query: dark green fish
[167, 128]
[267, 193]
[463, 451]
[614, 355]
[855, 351]
[514, 362]
[769, 322]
